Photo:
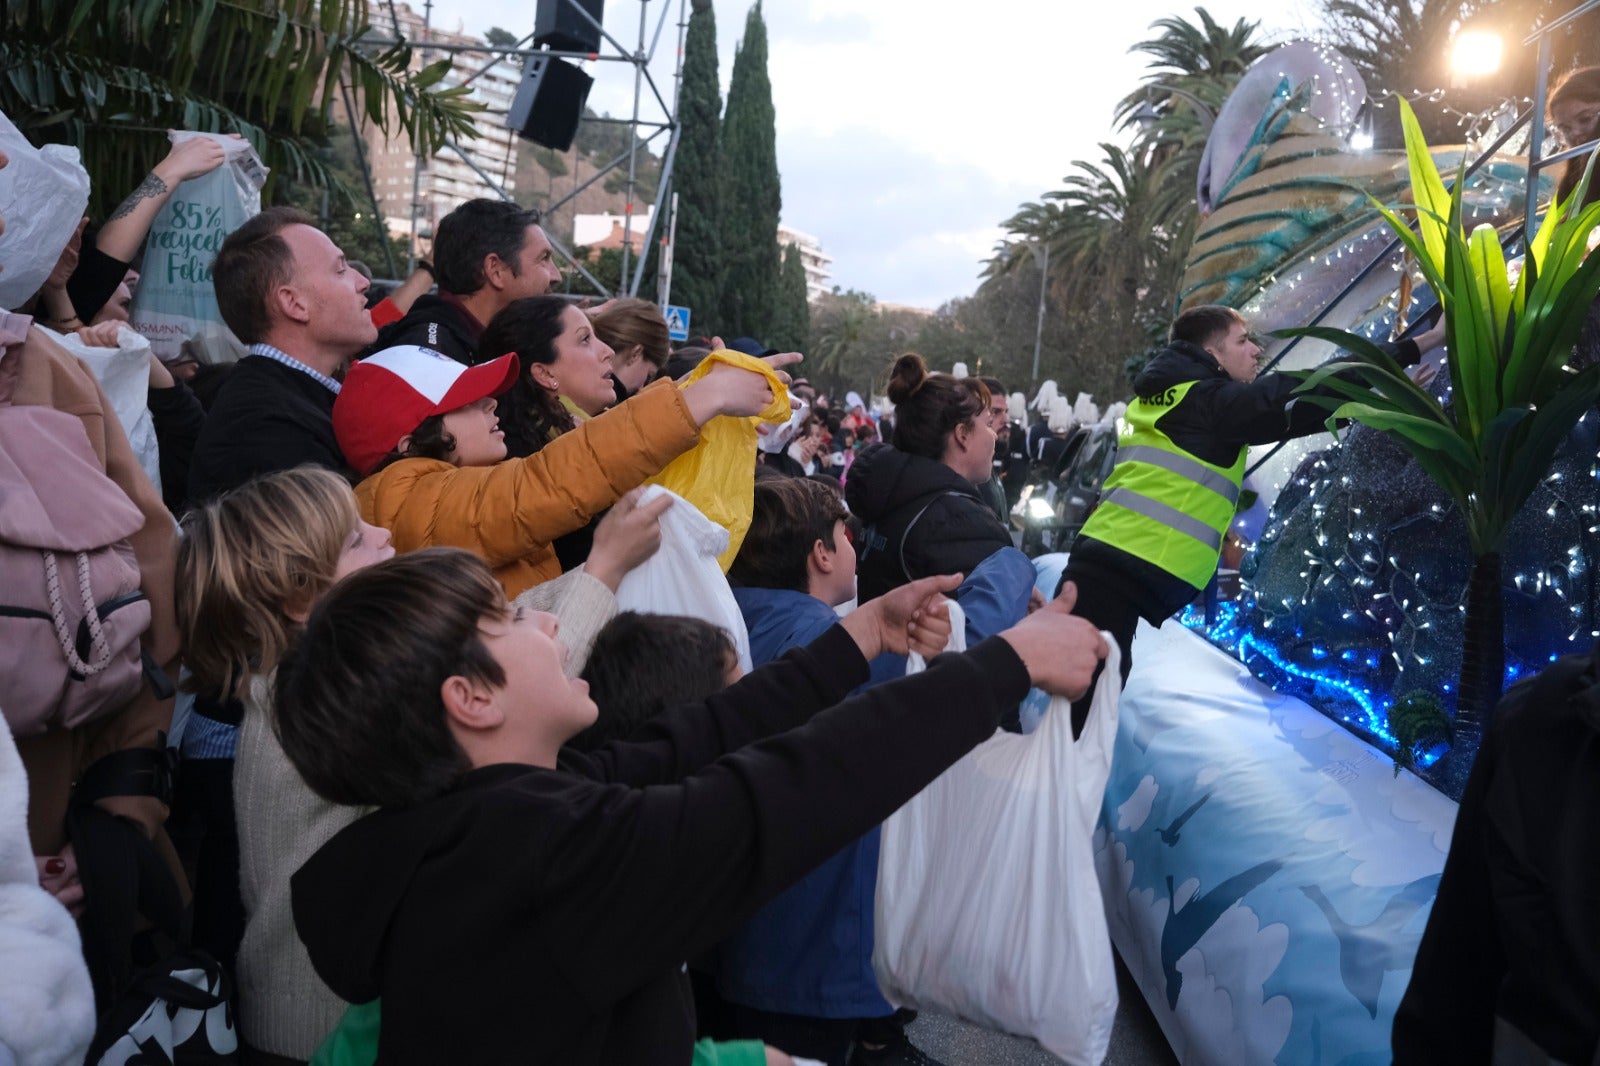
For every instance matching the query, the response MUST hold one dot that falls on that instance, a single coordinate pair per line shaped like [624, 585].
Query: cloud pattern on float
[1280, 922]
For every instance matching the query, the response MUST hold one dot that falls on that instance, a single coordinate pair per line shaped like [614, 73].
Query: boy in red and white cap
[421, 429]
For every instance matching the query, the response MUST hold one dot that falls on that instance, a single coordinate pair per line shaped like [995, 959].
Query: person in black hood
[919, 495]
[1153, 541]
[1508, 970]
[517, 901]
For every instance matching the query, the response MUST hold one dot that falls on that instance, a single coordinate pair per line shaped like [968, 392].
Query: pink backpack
[71, 613]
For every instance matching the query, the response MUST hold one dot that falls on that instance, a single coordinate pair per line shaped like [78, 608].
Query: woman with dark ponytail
[919, 494]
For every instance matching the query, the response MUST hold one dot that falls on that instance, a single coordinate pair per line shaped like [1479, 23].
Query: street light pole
[1043, 260]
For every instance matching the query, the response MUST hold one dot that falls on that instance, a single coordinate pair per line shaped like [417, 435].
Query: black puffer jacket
[1219, 414]
[922, 517]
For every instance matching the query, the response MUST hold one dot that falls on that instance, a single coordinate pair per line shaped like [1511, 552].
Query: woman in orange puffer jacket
[422, 431]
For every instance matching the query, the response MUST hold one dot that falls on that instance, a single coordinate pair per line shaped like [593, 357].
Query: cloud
[958, 113]
[918, 241]
[1135, 810]
[1223, 1014]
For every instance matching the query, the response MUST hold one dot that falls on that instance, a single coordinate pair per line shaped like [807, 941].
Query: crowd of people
[431, 797]
[382, 567]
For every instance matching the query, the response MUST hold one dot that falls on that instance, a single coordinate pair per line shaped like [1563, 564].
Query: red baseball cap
[388, 395]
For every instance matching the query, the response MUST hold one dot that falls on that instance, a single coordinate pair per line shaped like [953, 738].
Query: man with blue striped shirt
[287, 292]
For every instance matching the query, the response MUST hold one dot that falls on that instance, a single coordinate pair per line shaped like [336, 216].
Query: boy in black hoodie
[517, 902]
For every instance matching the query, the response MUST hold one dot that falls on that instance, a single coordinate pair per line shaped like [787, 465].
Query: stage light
[1474, 54]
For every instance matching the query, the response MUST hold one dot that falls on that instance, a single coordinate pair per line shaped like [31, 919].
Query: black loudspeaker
[559, 25]
[549, 102]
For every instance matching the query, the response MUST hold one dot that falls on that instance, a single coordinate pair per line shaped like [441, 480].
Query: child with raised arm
[514, 902]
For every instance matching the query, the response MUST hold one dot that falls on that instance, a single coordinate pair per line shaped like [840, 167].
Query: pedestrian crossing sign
[677, 323]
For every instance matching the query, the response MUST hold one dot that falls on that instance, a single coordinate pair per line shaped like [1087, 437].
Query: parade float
[1282, 795]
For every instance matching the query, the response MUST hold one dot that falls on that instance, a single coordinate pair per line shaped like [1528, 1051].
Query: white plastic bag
[124, 374]
[988, 903]
[44, 191]
[684, 577]
[175, 300]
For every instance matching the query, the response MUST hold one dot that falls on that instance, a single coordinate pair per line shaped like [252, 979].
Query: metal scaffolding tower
[645, 90]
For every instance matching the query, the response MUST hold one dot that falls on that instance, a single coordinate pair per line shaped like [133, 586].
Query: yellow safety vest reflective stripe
[1162, 504]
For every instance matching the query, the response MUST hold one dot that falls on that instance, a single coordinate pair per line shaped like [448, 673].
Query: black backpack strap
[130, 772]
[123, 874]
[913, 523]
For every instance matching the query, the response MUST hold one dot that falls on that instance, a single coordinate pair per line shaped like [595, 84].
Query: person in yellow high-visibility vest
[1152, 544]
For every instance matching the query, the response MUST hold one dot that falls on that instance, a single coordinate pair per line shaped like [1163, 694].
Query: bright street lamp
[1474, 54]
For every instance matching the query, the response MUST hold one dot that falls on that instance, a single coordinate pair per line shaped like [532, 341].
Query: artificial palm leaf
[1513, 400]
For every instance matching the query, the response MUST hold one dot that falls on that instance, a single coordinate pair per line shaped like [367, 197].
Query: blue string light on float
[1348, 617]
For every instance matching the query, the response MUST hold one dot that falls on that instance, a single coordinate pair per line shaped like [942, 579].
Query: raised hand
[781, 360]
[69, 259]
[1059, 649]
[192, 158]
[914, 617]
[727, 390]
[101, 334]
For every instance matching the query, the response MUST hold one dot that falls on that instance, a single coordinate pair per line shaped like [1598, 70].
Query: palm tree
[1110, 234]
[1513, 401]
[1193, 69]
[112, 78]
[841, 330]
[1191, 61]
[1125, 224]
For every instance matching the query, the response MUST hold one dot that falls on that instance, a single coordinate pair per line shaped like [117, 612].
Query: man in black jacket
[486, 253]
[1153, 542]
[1509, 966]
[514, 901]
[288, 293]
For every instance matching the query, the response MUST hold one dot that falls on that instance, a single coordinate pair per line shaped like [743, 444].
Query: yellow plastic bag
[718, 475]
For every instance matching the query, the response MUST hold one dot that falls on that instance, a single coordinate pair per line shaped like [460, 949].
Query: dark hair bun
[910, 373]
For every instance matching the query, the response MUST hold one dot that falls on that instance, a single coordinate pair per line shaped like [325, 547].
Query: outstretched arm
[781, 694]
[1268, 409]
[670, 870]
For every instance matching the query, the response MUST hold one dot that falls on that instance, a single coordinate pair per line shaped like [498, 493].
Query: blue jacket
[808, 952]
[994, 597]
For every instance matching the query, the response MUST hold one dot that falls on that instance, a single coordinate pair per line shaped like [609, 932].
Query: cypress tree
[791, 331]
[697, 261]
[752, 198]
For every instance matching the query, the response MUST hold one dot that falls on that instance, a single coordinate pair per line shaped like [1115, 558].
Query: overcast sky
[908, 130]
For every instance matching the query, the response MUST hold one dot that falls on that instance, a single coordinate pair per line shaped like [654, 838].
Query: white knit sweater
[284, 1008]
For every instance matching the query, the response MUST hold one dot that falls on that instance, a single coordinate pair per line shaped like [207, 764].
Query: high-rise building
[818, 264]
[446, 179]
